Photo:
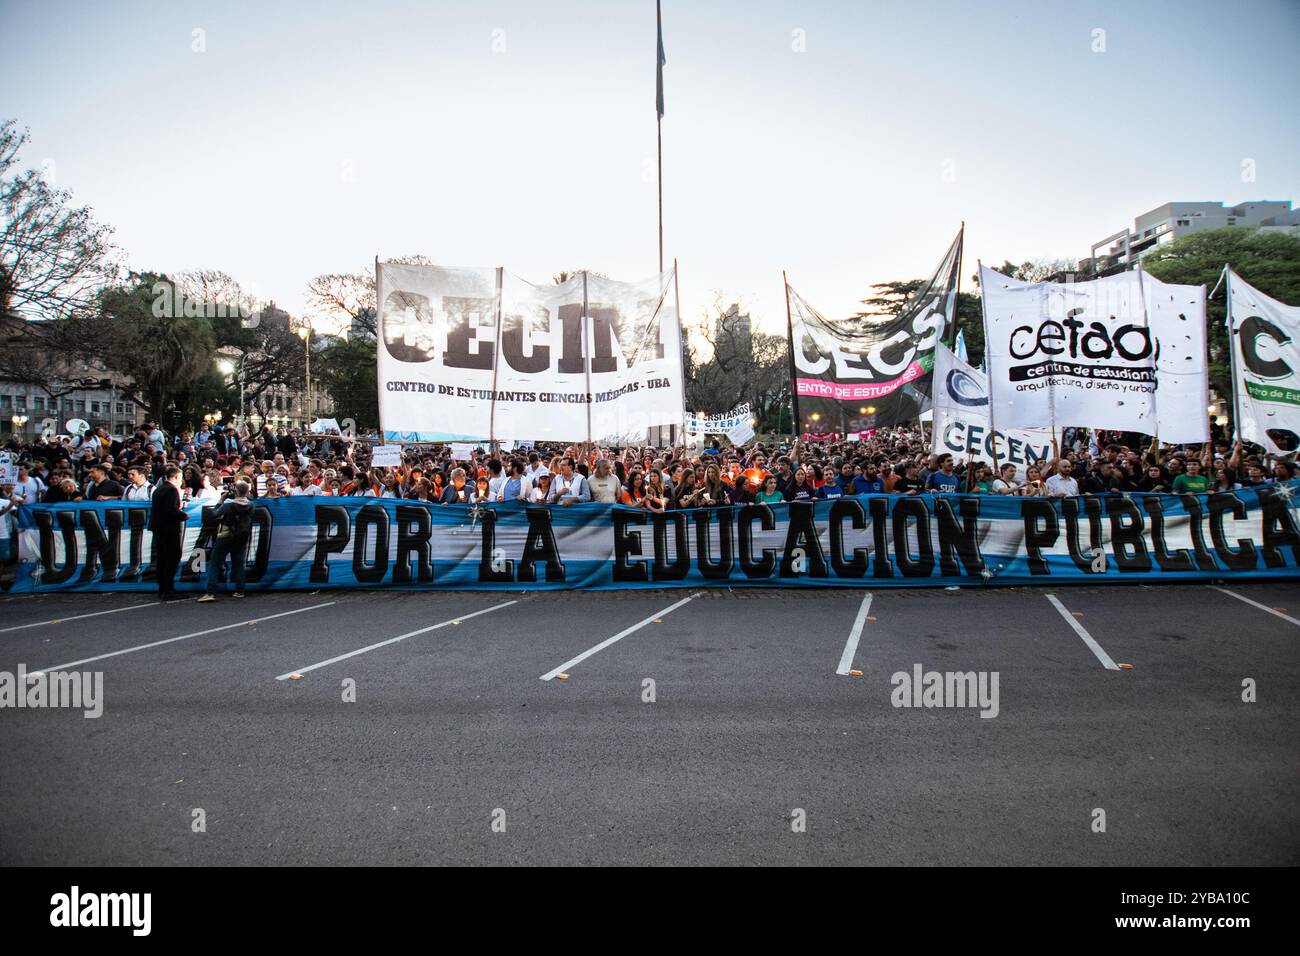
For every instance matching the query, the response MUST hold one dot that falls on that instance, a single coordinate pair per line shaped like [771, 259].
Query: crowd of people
[221, 465]
[891, 461]
[97, 467]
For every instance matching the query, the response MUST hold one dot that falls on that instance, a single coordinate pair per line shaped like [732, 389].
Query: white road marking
[78, 617]
[851, 648]
[183, 637]
[563, 668]
[392, 640]
[1088, 639]
[1262, 607]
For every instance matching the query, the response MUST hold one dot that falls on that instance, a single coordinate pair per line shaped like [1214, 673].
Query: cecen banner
[961, 420]
[478, 354]
[1125, 352]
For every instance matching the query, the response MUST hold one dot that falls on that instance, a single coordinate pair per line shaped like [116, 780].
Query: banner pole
[988, 377]
[379, 391]
[1232, 358]
[794, 383]
[586, 352]
[1155, 360]
[1222, 277]
[496, 359]
[956, 302]
[681, 344]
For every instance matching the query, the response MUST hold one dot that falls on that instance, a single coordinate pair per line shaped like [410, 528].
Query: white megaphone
[77, 426]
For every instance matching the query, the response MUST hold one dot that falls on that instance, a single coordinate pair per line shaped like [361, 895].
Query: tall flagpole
[659, 123]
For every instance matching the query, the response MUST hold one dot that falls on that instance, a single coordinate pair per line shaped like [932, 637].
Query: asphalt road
[750, 731]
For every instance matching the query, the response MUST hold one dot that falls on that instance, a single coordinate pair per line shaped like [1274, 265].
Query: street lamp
[227, 368]
[19, 421]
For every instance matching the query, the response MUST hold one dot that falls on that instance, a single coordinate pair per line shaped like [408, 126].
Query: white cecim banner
[961, 419]
[589, 359]
[1125, 352]
[1266, 366]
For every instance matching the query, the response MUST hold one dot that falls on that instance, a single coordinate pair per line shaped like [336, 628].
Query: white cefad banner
[961, 420]
[1125, 352]
[1266, 366]
[477, 354]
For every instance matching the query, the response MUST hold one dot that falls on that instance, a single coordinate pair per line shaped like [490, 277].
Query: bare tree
[349, 297]
[728, 363]
[53, 255]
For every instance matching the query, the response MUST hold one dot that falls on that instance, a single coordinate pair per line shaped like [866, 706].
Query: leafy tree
[346, 369]
[891, 297]
[160, 356]
[1033, 270]
[1269, 261]
[727, 362]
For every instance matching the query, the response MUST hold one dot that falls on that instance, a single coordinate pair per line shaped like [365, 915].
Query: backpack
[237, 526]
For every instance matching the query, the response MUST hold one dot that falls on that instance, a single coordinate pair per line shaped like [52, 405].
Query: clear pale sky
[310, 137]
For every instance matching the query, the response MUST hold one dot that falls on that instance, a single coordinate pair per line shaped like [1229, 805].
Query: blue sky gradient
[308, 138]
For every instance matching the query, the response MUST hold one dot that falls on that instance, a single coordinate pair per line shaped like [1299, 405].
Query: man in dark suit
[166, 519]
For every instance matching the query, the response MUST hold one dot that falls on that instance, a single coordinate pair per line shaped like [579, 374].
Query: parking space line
[551, 674]
[392, 640]
[1088, 639]
[851, 647]
[1262, 607]
[78, 617]
[183, 637]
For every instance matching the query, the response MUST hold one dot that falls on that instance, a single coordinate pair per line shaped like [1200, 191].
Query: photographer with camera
[234, 525]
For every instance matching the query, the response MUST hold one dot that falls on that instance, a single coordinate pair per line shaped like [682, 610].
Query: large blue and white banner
[864, 541]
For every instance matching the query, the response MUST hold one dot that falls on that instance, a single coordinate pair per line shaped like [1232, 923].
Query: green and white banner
[1266, 367]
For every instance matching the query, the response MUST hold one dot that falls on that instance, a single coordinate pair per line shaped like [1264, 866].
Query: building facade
[1173, 220]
